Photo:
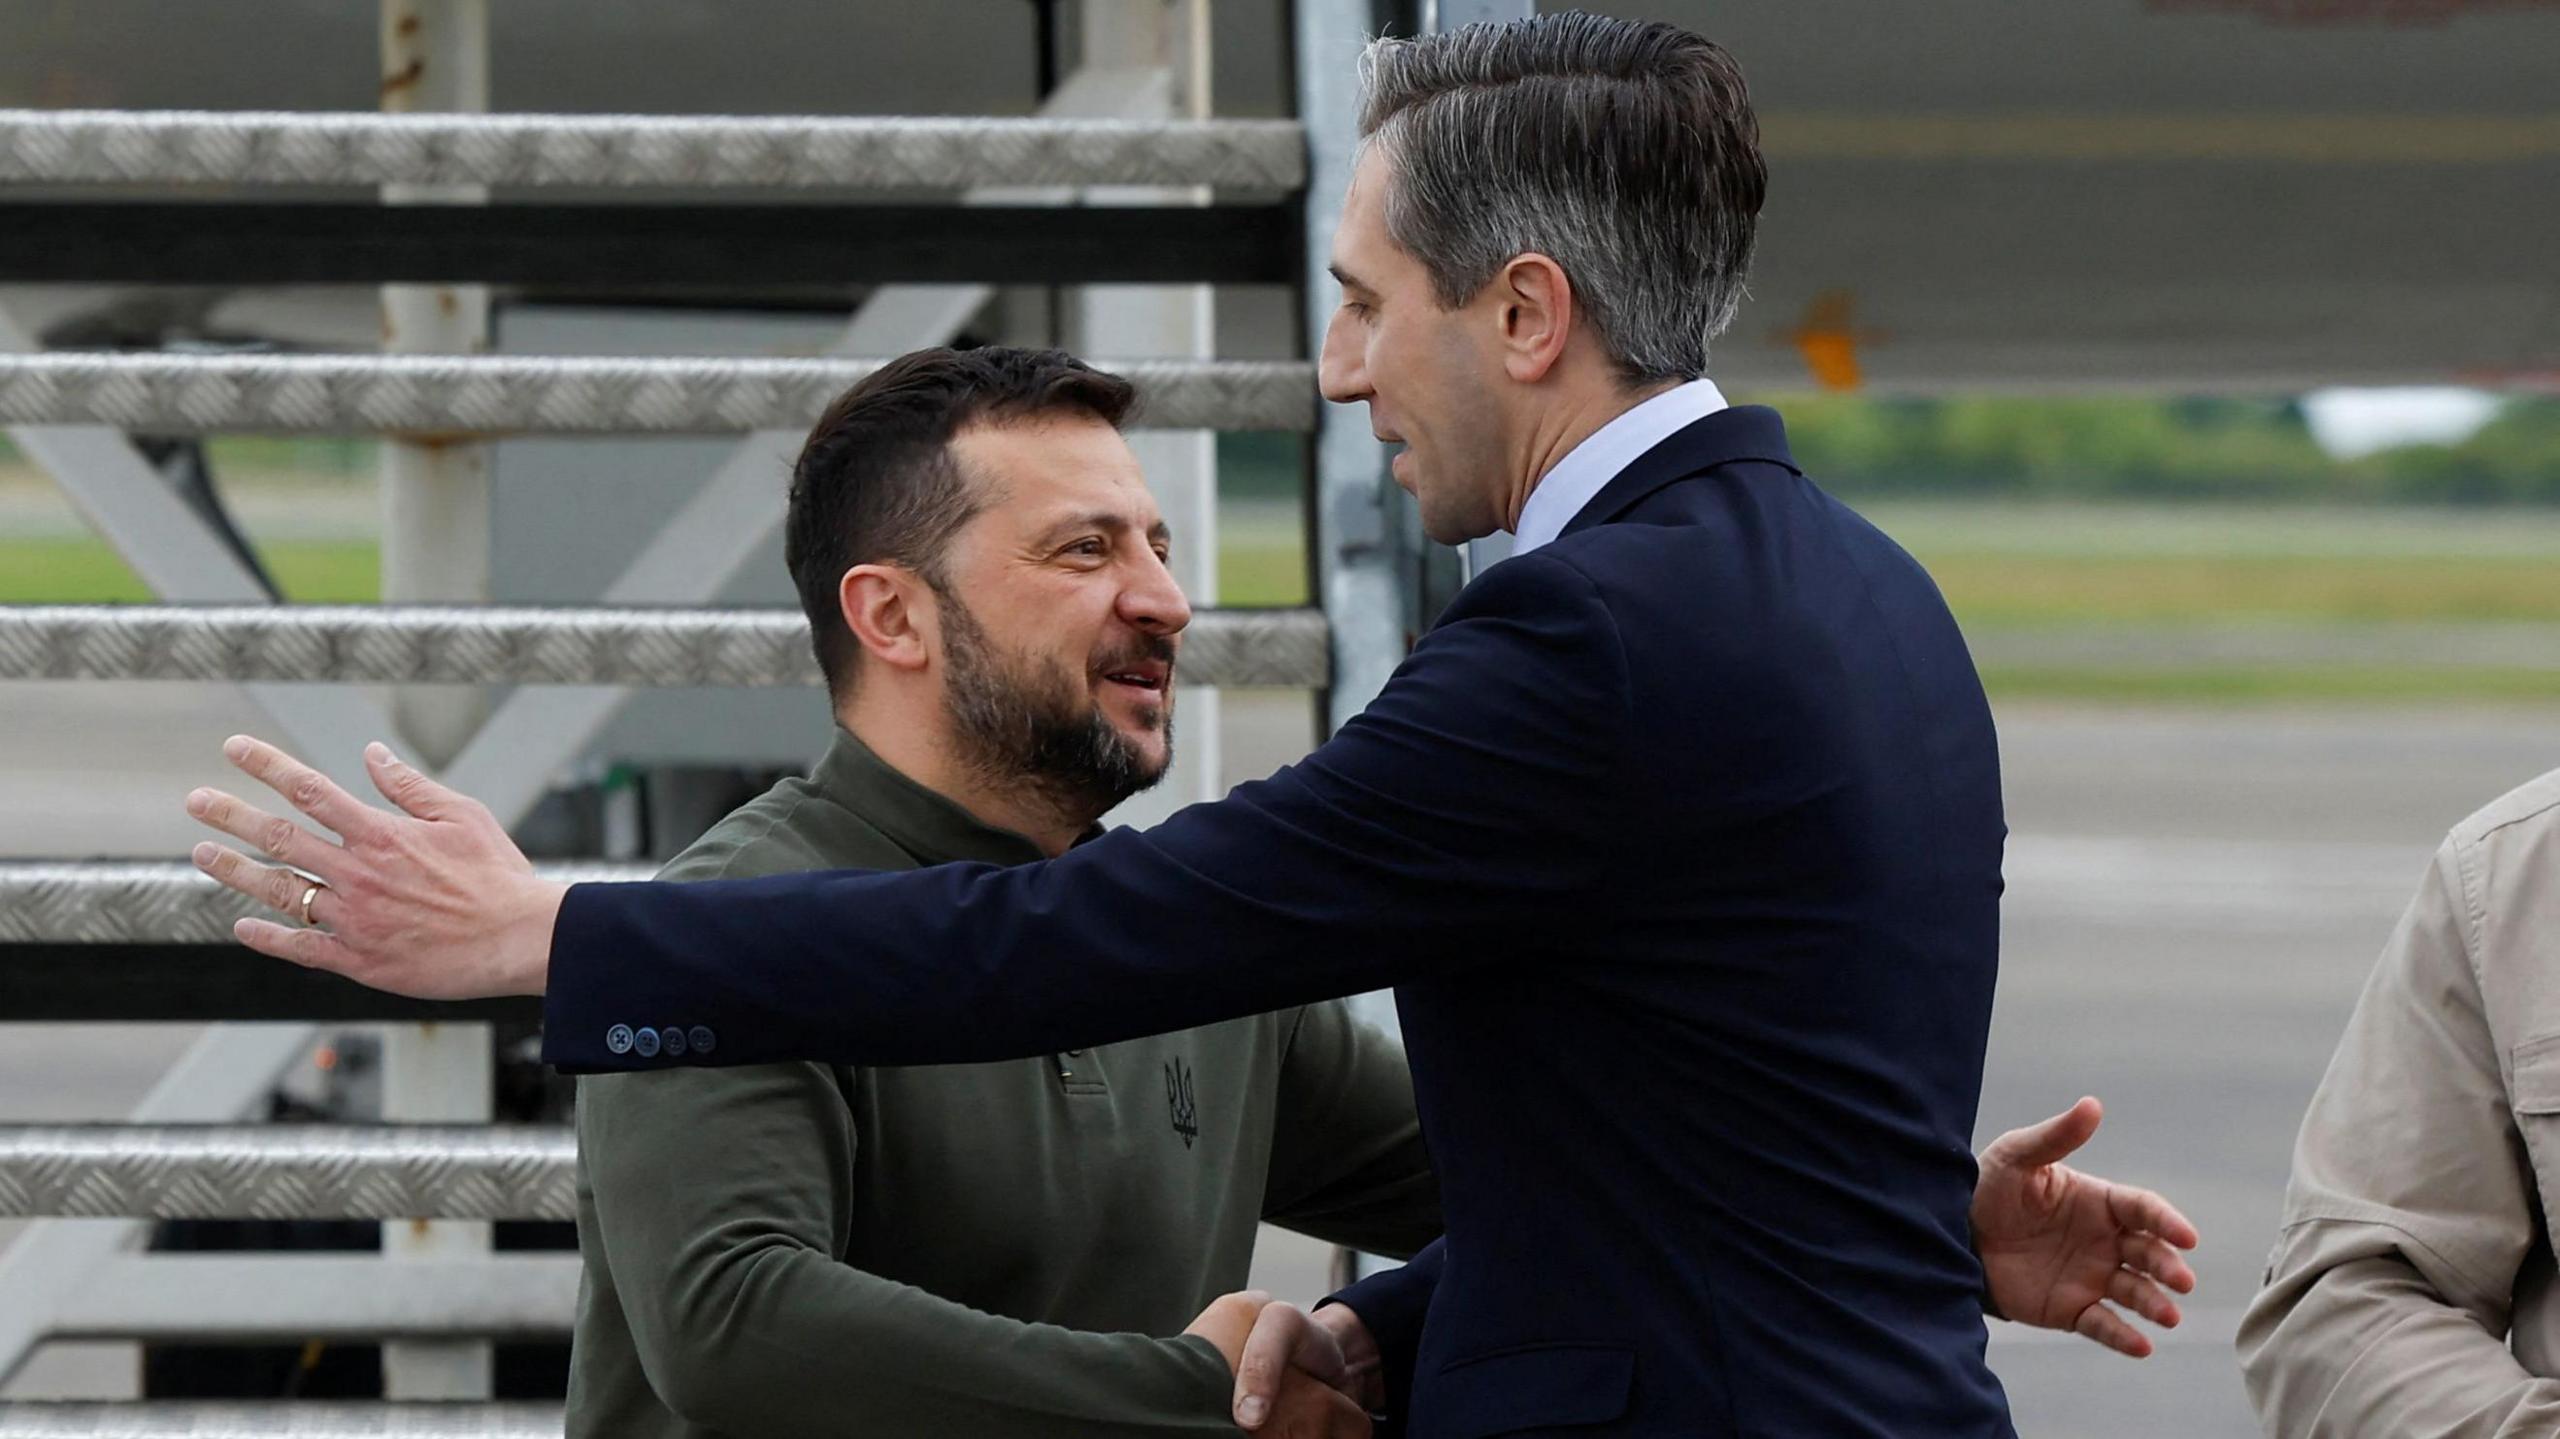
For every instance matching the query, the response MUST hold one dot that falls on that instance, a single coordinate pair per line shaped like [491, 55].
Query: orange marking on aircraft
[1829, 341]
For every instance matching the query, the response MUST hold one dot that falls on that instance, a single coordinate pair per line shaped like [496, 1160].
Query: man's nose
[1342, 371]
[1153, 600]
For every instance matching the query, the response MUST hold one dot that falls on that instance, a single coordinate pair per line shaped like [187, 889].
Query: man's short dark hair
[1626, 151]
[876, 483]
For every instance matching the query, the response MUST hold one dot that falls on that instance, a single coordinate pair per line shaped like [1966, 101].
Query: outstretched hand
[2066, 1250]
[432, 901]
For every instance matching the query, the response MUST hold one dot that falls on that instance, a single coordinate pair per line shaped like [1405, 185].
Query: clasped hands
[1298, 1375]
[2060, 1250]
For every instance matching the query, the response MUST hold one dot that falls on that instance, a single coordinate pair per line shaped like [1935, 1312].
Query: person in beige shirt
[2410, 1292]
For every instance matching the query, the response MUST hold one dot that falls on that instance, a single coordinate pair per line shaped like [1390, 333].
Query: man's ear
[890, 611]
[1534, 304]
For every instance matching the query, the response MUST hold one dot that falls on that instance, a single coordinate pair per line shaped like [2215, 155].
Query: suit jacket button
[674, 1038]
[618, 1039]
[646, 1041]
[702, 1039]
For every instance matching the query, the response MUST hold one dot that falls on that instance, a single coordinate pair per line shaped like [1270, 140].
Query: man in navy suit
[1679, 835]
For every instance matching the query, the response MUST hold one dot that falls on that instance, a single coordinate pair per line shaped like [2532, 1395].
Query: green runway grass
[2027, 564]
[2026, 590]
[86, 572]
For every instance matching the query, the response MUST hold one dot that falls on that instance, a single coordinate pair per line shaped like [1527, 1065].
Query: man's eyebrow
[1346, 279]
[1103, 520]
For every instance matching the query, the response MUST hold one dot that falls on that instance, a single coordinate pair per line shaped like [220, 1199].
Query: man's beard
[1034, 725]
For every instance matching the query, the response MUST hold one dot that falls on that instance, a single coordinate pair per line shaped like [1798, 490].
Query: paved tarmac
[2195, 898]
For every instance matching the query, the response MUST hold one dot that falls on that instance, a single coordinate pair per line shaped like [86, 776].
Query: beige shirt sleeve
[2410, 1213]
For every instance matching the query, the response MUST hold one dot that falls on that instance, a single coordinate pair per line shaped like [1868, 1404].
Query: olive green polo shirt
[980, 1250]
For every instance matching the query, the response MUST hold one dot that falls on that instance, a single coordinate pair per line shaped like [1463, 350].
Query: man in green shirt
[994, 1249]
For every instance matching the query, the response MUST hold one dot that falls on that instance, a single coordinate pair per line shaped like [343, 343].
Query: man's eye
[1093, 547]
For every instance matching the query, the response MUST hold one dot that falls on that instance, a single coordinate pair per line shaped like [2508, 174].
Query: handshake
[1298, 1375]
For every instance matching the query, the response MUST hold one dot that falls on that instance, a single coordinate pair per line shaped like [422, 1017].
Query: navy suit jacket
[1679, 840]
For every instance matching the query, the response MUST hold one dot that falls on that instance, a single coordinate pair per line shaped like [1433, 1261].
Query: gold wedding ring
[309, 895]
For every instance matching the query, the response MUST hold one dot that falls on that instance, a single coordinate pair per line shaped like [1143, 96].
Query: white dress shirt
[1589, 466]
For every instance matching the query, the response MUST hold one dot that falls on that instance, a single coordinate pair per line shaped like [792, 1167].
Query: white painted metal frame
[1167, 40]
[436, 505]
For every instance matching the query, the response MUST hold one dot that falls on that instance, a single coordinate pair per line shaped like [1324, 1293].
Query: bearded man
[988, 1249]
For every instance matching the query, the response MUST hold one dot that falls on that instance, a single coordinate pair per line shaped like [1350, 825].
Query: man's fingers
[1226, 1322]
[2151, 1256]
[310, 948]
[1283, 1338]
[276, 888]
[275, 836]
[303, 787]
[2051, 1141]
[2107, 1327]
[1266, 1357]
[2144, 1211]
[1309, 1410]
[2132, 1291]
[407, 787]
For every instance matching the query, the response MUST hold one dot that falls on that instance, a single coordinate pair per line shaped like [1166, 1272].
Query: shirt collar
[1591, 465]
[932, 828]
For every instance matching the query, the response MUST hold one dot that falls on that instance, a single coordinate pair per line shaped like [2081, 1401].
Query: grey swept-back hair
[1625, 151]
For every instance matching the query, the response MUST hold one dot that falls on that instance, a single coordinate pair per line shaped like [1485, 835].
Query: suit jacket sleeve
[1466, 808]
[1391, 1307]
[2410, 1212]
[719, 1198]
[1347, 1158]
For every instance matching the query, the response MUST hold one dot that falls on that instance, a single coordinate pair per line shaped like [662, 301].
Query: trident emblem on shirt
[1177, 1096]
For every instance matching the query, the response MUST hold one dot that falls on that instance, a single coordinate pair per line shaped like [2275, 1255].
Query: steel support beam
[467, 644]
[287, 1171]
[804, 152]
[443, 398]
[436, 506]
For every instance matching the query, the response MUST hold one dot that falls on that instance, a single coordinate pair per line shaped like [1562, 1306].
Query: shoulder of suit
[789, 829]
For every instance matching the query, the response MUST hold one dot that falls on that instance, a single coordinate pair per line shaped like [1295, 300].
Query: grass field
[2007, 564]
[2078, 602]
